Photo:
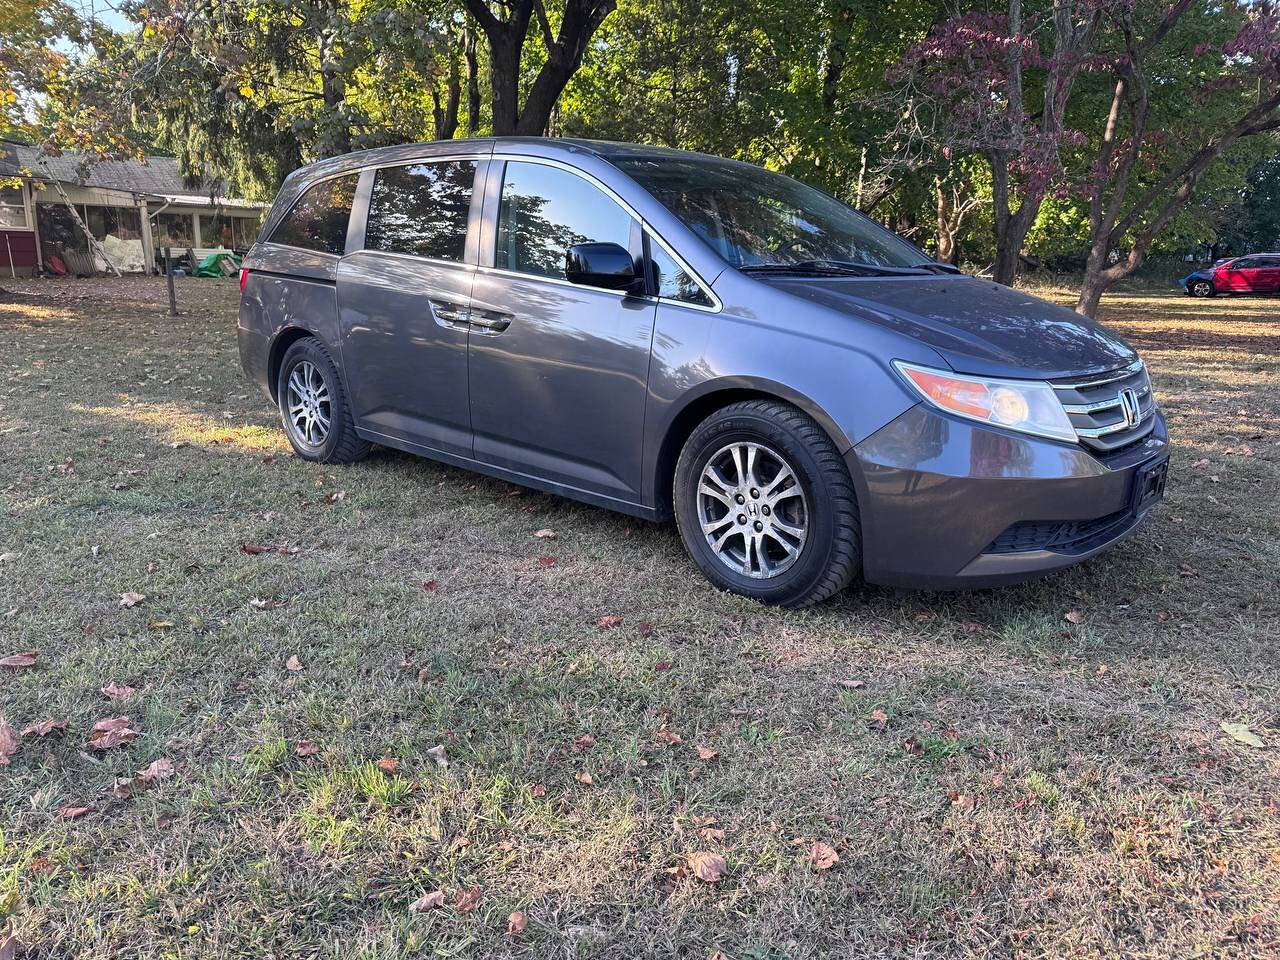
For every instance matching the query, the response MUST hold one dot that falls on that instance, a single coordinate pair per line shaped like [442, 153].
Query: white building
[133, 208]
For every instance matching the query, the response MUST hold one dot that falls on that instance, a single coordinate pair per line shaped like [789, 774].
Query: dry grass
[1067, 790]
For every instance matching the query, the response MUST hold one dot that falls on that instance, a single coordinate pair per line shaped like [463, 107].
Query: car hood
[977, 326]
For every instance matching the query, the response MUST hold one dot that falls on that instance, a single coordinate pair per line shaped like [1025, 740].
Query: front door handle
[487, 321]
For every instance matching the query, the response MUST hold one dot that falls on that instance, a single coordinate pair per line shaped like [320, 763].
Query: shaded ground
[996, 780]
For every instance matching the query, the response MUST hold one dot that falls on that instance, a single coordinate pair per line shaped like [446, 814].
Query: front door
[558, 371]
[403, 302]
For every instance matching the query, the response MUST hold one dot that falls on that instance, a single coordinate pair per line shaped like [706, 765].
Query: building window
[173, 230]
[216, 231]
[13, 208]
[123, 223]
[246, 231]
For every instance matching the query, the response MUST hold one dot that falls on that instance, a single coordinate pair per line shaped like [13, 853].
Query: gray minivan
[670, 334]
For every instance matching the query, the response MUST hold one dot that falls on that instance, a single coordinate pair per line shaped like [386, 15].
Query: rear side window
[545, 211]
[318, 220]
[421, 209]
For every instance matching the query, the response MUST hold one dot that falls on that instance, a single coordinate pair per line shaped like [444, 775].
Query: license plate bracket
[1148, 485]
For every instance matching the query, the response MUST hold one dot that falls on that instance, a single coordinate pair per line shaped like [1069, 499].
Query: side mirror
[605, 265]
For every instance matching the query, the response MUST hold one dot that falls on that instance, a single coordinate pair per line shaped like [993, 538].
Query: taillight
[244, 275]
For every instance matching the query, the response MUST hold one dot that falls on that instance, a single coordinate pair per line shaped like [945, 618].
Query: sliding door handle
[451, 315]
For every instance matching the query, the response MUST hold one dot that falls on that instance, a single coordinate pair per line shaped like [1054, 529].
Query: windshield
[754, 218]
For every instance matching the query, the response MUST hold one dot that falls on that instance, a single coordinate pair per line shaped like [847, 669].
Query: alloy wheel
[752, 510]
[310, 410]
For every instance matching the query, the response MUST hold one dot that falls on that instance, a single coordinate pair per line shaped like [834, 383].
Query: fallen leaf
[436, 753]
[662, 666]
[112, 732]
[545, 534]
[1244, 450]
[707, 866]
[912, 745]
[879, 719]
[124, 787]
[852, 684]
[669, 737]
[293, 663]
[20, 661]
[389, 765]
[428, 901]
[336, 497]
[253, 548]
[43, 729]
[711, 834]
[261, 603]
[8, 742]
[306, 748]
[131, 599]
[584, 742]
[706, 753]
[608, 622]
[431, 586]
[115, 691]
[1241, 733]
[160, 624]
[546, 561]
[538, 790]
[467, 901]
[424, 675]
[584, 778]
[516, 923]
[823, 856]
[1073, 616]
[74, 813]
[161, 769]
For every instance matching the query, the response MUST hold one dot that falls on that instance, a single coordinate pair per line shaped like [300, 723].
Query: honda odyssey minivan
[674, 335]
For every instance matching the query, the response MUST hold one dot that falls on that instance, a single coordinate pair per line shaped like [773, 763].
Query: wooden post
[168, 275]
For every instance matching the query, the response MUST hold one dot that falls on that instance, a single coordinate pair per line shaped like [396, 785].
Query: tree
[985, 84]
[1242, 75]
[563, 50]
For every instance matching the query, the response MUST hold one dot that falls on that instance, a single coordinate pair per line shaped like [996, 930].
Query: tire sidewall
[311, 351]
[711, 436]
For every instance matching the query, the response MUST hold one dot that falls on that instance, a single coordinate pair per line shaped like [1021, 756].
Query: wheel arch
[714, 396]
[285, 339]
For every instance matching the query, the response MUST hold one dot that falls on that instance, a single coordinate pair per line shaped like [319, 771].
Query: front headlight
[1030, 406]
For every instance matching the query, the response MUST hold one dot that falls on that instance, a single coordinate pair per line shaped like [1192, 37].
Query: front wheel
[765, 505]
[314, 407]
[1202, 288]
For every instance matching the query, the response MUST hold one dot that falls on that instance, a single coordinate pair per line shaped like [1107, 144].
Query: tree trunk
[333, 91]
[473, 83]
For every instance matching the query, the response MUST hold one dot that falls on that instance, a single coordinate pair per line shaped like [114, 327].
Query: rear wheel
[1202, 288]
[314, 408]
[765, 505]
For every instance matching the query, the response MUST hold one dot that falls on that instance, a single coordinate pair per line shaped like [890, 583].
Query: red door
[1271, 274]
[1242, 276]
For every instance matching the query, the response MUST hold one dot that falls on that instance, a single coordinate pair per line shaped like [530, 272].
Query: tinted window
[671, 280]
[544, 211]
[318, 221]
[421, 209]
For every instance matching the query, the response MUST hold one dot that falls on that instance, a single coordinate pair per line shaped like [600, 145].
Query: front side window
[752, 217]
[421, 209]
[13, 211]
[544, 211]
[318, 220]
[671, 280]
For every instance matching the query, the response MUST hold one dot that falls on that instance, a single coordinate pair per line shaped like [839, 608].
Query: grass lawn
[997, 779]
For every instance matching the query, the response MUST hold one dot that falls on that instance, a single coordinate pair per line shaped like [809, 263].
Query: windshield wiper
[935, 266]
[833, 268]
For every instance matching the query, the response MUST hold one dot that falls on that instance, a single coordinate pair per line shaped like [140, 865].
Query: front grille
[1062, 536]
[1096, 406]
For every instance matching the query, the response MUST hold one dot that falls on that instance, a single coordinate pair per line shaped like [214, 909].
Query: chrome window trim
[716, 303]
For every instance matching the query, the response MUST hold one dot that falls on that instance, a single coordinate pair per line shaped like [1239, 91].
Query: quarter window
[546, 210]
[421, 209]
[318, 221]
[671, 280]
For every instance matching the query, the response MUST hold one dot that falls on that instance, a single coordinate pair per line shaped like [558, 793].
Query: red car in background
[1254, 273]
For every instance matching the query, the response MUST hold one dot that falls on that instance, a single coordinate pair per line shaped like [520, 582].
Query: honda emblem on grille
[1129, 406]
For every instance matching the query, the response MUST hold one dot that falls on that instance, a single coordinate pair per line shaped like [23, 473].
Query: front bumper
[948, 504]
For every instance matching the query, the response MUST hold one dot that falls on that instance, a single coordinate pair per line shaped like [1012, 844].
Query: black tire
[340, 444]
[1201, 288]
[830, 555]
